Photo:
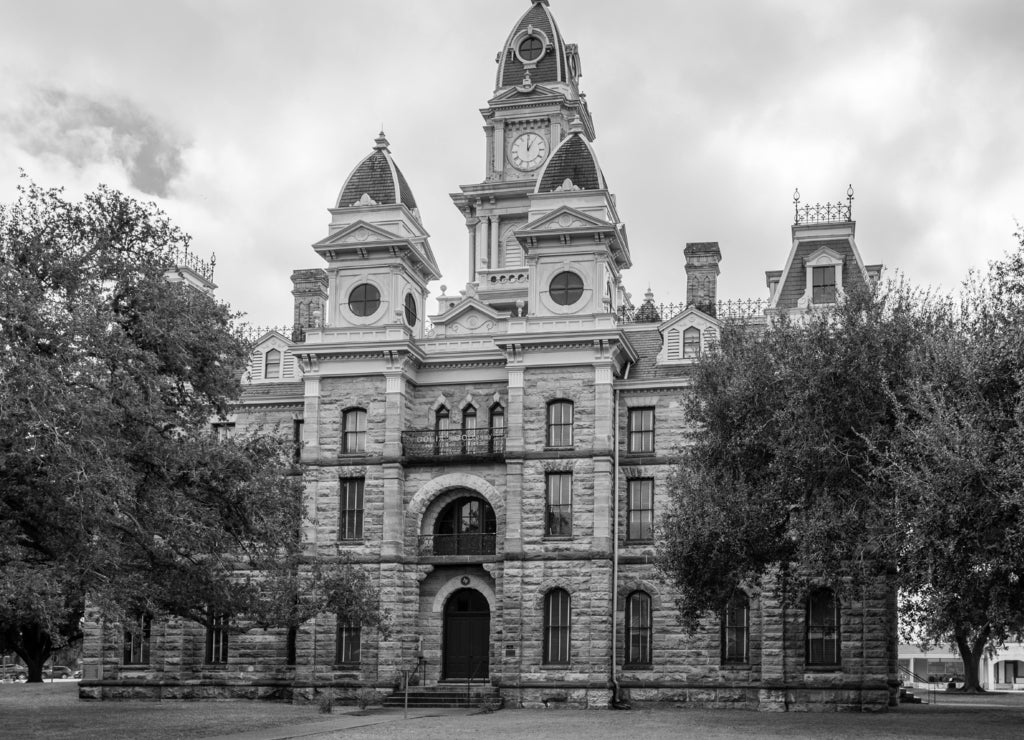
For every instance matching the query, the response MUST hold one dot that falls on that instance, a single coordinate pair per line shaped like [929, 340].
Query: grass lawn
[52, 710]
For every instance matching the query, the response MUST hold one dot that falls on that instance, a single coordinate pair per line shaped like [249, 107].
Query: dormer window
[691, 343]
[272, 364]
[824, 284]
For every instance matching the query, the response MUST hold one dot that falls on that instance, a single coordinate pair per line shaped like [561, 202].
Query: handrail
[918, 679]
[472, 677]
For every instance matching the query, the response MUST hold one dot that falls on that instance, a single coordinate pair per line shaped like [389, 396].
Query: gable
[469, 316]
[807, 254]
[687, 336]
[262, 359]
[566, 218]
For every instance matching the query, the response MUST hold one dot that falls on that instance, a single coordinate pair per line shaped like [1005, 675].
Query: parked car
[57, 671]
[13, 673]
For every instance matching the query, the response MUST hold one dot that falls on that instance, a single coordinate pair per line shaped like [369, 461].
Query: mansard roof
[376, 180]
[551, 66]
[572, 166]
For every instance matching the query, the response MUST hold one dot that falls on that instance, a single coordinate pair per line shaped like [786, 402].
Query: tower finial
[381, 142]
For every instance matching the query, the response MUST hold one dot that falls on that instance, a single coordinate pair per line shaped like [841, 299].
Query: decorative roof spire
[381, 142]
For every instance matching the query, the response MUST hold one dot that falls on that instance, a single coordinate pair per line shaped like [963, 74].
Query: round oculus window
[364, 300]
[531, 48]
[410, 309]
[566, 288]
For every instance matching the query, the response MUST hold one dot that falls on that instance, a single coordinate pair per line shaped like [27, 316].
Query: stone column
[483, 258]
[604, 407]
[494, 258]
[514, 441]
[471, 228]
[772, 696]
[392, 472]
[514, 506]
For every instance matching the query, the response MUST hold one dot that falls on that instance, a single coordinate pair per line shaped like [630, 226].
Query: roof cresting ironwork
[827, 213]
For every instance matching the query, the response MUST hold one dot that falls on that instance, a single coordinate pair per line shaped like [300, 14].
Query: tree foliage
[880, 439]
[112, 483]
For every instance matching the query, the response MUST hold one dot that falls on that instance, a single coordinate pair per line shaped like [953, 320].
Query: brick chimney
[310, 292]
[702, 272]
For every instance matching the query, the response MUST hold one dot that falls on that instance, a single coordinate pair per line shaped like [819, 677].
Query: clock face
[528, 151]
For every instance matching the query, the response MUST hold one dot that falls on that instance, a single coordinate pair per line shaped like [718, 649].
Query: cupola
[572, 166]
[376, 180]
[535, 53]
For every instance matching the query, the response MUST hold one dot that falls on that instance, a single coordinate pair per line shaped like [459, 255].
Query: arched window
[353, 431]
[272, 364]
[736, 630]
[497, 441]
[638, 629]
[465, 527]
[823, 628]
[691, 343]
[557, 613]
[559, 427]
[442, 441]
[469, 438]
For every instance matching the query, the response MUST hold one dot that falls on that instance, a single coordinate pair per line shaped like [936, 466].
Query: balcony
[453, 443]
[466, 543]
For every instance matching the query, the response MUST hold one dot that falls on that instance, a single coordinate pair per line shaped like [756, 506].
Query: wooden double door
[467, 634]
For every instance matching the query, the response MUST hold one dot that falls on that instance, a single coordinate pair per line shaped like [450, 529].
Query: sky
[243, 118]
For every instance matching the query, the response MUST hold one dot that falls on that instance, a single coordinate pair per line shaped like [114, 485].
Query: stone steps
[452, 695]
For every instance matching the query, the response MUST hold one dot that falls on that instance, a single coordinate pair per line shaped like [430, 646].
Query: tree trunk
[34, 647]
[970, 653]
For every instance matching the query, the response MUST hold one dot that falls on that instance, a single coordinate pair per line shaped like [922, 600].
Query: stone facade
[512, 455]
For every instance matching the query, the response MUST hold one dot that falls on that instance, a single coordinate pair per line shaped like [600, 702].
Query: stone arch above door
[430, 491]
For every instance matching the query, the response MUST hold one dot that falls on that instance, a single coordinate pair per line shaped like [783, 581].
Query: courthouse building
[498, 458]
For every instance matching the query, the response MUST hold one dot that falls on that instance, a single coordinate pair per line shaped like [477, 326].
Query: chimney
[702, 272]
[310, 292]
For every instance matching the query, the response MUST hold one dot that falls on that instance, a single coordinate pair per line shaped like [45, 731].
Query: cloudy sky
[242, 119]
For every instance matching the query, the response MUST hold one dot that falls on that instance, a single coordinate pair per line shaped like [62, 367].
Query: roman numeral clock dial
[528, 152]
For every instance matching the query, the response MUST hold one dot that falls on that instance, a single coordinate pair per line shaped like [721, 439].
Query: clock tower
[536, 100]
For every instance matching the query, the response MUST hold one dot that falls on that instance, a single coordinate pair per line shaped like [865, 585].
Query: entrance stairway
[907, 697]
[447, 695]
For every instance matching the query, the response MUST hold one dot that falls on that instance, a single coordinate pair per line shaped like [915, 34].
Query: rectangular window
[638, 629]
[557, 634]
[297, 440]
[824, 284]
[558, 516]
[136, 641]
[823, 628]
[641, 430]
[560, 424]
[353, 431]
[350, 525]
[640, 509]
[217, 640]
[348, 644]
[223, 431]
[735, 629]
[691, 343]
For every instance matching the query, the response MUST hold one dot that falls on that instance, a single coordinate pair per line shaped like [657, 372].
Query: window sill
[345, 667]
[358, 541]
[137, 666]
[557, 538]
[559, 448]
[823, 669]
[735, 665]
[556, 666]
[215, 666]
[638, 667]
[649, 541]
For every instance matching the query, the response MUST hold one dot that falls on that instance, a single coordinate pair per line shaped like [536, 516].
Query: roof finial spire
[381, 142]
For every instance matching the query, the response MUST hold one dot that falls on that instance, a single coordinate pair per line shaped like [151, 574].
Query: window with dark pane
[136, 641]
[497, 442]
[469, 438]
[638, 629]
[559, 424]
[691, 343]
[347, 645]
[531, 48]
[736, 630]
[640, 509]
[217, 639]
[272, 364]
[566, 288]
[557, 614]
[558, 514]
[353, 431]
[822, 628]
[350, 525]
[641, 430]
[823, 288]
[364, 300]
[411, 313]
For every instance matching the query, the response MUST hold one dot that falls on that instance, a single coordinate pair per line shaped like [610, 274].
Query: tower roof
[572, 166]
[535, 50]
[376, 181]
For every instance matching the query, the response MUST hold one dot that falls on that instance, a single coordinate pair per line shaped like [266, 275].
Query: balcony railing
[453, 442]
[476, 543]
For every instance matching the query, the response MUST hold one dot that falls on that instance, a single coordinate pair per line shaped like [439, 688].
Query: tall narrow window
[736, 630]
[353, 431]
[347, 651]
[136, 641]
[497, 443]
[557, 613]
[224, 430]
[560, 424]
[823, 286]
[558, 516]
[691, 343]
[291, 645]
[638, 629]
[823, 628]
[442, 423]
[296, 440]
[640, 509]
[217, 639]
[469, 429]
[272, 364]
[350, 525]
[641, 430]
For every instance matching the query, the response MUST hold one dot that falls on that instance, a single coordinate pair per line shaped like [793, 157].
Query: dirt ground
[52, 710]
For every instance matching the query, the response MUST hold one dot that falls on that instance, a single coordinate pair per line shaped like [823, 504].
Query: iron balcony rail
[466, 543]
[453, 442]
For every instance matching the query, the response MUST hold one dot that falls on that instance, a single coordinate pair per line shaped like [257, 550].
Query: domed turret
[376, 181]
[535, 52]
[572, 166]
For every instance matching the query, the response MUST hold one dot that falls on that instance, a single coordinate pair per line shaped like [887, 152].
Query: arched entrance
[467, 634]
[466, 526]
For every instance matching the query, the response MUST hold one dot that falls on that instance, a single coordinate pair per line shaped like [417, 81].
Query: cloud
[83, 131]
